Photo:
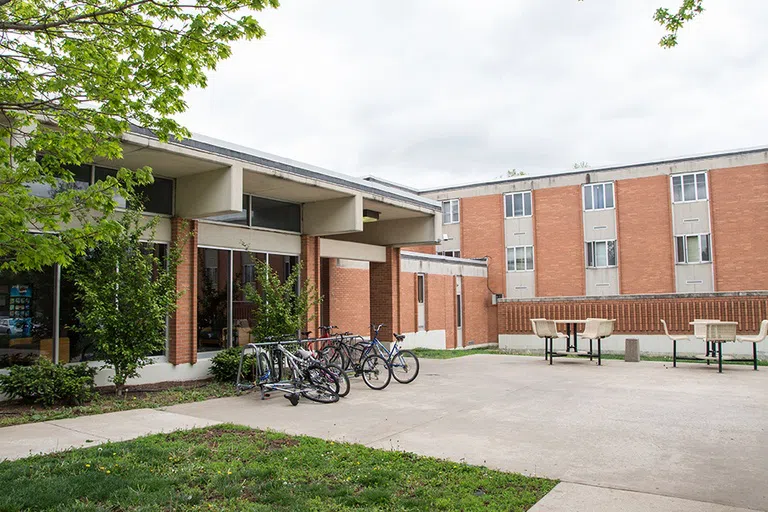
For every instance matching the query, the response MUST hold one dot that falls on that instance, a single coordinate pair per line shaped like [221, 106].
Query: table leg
[568, 333]
[590, 350]
[674, 353]
[575, 338]
[754, 356]
[551, 356]
[546, 348]
[720, 357]
[599, 352]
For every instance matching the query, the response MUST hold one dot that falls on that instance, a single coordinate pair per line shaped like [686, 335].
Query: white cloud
[433, 92]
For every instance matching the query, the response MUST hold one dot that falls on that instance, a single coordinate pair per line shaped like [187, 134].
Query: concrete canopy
[212, 176]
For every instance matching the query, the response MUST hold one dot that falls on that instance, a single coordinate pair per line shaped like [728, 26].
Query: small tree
[126, 293]
[280, 308]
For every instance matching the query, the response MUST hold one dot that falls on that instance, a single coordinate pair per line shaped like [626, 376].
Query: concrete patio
[687, 433]
[624, 436]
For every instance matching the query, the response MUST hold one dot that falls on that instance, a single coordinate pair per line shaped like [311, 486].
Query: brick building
[449, 268]
[619, 237]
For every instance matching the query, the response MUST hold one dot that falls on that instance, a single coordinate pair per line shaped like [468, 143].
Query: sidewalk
[22, 441]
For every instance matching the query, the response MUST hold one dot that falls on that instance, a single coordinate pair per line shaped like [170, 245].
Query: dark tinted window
[158, 196]
[101, 174]
[268, 213]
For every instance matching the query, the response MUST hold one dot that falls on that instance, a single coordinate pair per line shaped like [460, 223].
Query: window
[451, 211]
[459, 315]
[517, 204]
[157, 197]
[693, 249]
[420, 286]
[520, 259]
[450, 254]
[689, 187]
[601, 254]
[81, 180]
[26, 316]
[598, 196]
[268, 213]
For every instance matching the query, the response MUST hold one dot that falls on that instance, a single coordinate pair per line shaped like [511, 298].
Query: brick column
[385, 294]
[310, 271]
[182, 329]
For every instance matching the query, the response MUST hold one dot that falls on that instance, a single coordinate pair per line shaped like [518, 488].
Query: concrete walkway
[53, 436]
[623, 436]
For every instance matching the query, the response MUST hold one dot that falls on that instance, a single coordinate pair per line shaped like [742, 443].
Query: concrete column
[182, 328]
[310, 271]
[385, 294]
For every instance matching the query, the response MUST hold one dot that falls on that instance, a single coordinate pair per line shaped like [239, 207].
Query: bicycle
[308, 379]
[373, 368]
[404, 365]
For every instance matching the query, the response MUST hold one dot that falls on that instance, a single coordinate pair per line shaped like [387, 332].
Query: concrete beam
[210, 193]
[399, 232]
[352, 251]
[333, 216]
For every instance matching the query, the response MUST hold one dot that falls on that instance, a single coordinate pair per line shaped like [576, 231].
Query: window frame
[681, 177]
[685, 238]
[457, 211]
[454, 254]
[591, 187]
[522, 193]
[524, 249]
[593, 245]
[421, 288]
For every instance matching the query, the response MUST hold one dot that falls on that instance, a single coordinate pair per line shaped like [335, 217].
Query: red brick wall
[385, 296]
[349, 301]
[482, 234]
[182, 327]
[408, 302]
[310, 271]
[440, 307]
[646, 256]
[639, 316]
[425, 249]
[559, 242]
[479, 316]
[738, 202]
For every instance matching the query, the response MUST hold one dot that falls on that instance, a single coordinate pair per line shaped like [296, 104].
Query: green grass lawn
[232, 468]
[15, 414]
[431, 353]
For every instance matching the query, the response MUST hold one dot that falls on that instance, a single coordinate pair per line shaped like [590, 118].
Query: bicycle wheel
[341, 376]
[320, 385]
[405, 366]
[376, 372]
[330, 354]
[359, 351]
[263, 370]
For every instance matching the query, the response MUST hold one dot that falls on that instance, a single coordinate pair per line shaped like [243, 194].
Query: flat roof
[286, 165]
[666, 161]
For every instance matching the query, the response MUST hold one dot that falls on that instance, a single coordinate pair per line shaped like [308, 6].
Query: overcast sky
[436, 92]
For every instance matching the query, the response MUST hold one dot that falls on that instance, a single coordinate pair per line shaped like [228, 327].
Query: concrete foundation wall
[649, 345]
[424, 339]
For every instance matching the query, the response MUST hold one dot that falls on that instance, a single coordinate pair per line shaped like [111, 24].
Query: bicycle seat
[304, 354]
[399, 337]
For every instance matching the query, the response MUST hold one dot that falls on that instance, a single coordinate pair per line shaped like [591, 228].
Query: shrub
[50, 384]
[224, 365]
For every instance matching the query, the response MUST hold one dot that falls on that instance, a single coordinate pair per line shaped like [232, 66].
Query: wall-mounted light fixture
[370, 215]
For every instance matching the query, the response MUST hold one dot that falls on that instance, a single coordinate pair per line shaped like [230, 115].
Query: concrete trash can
[632, 350]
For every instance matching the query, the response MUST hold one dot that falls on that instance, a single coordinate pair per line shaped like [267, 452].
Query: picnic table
[572, 333]
[714, 333]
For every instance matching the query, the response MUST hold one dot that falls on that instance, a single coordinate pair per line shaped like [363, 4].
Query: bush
[50, 384]
[224, 364]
